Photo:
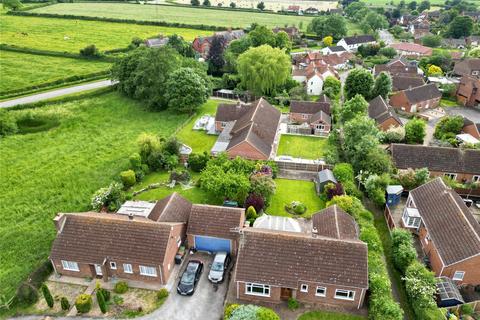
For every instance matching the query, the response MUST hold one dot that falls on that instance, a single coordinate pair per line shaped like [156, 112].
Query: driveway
[470, 113]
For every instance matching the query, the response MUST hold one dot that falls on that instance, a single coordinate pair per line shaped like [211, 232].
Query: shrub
[90, 51]
[296, 207]
[420, 287]
[83, 303]
[27, 294]
[266, 314]
[101, 301]
[105, 293]
[135, 162]
[229, 309]
[394, 134]
[65, 304]
[343, 172]
[128, 178]
[251, 213]
[262, 185]
[118, 300]
[255, 201]
[111, 197]
[47, 295]
[180, 176]
[467, 309]
[415, 131]
[244, 312]
[162, 294]
[8, 125]
[448, 127]
[197, 162]
[121, 287]
[333, 189]
[293, 304]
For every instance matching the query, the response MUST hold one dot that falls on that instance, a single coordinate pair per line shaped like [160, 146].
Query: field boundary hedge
[36, 5]
[41, 52]
[116, 20]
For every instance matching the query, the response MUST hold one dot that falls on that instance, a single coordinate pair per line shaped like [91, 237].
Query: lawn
[58, 171]
[72, 35]
[21, 70]
[176, 14]
[294, 190]
[324, 315]
[448, 103]
[302, 146]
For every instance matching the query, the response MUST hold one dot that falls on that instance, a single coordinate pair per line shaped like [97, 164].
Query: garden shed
[323, 178]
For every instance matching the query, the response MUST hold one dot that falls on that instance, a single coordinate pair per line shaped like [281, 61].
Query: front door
[98, 270]
[285, 293]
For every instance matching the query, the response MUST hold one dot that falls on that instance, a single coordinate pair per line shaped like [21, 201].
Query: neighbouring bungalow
[140, 241]
[455, 43]
[461, 165]
[448, 232]
[471, 128]
[156, 42]
[400, 83]
[309, 117]
[292, 32]
[417, 99]
[412, 49]
[202, 44]
[383, 114]
[352, 43]
[250, 131]
[326, 266]
[333, 50]
[468, 91]
[467, 67]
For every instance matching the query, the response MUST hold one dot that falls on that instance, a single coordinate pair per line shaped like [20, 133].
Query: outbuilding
[323, 178]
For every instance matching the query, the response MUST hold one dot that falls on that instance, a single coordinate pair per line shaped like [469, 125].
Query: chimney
[130, 216]
[59, 221]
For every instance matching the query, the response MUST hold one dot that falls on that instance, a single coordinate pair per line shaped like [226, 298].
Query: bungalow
[383, 114]
[468, 91]
[352, 43]
[458, 164]
[250, 131]
[308, 117]
[156, 42]
[467, 67]
[448, 232]
[292, 32]
[400, 82]
[274, 266]
[471, 128]
[333, 50]
[455, 43]
[412, 50]
[417, 99]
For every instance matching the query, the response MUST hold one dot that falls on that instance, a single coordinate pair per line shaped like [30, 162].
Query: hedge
[132, 21]
[36, 6]
[9, 47]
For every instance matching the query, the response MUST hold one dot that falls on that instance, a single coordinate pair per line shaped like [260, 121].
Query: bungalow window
[255, 289]
[304, 288]
[148, 271]
[411, 218]
[321, 292]
[223, 124]
[344, 294]
[452, 176]
[70, 265]
[458, 276]
[474, 73]
[127, 268]
[320, 127]
[113, 265]
[476, 179]
[304, 116]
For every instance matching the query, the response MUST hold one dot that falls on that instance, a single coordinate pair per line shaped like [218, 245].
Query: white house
[338, 50]
[315, 84]
[352, 43]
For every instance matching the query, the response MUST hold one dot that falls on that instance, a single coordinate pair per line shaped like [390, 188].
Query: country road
[56, 93]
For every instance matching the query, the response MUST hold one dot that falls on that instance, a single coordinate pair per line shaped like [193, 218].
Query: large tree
[415, 131]
[353, 8]
[331, 25]
[216, 59]
[186, 90]
[357, 106]
[373, 21]
[359, 81]
[332, 87]
[424, 5]
[261, 35]
[282, 41]
[183, 47]
[382, 86]
[461, 26]
[263, 69]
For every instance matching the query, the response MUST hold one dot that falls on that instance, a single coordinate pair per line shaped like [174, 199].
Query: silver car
[218, 267]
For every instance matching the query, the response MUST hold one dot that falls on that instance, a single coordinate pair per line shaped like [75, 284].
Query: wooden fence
[475, 305]
[389, 218]
[302, 165]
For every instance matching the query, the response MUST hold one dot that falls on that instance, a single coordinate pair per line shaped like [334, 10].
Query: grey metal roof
[326, 175]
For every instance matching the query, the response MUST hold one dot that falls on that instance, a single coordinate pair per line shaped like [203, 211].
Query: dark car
[191, 275]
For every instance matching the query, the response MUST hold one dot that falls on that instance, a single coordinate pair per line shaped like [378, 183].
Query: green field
[20, 70]
[302, 146]
[294, 190]
[72, 35]
[58, 171]
[186, 15]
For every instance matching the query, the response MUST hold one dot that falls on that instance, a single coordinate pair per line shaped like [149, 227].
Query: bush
[111, 197]
[121, 287]
[448, 127]
[415, 131]
[65, 304]
[90, 51]
[27, 294]
[128, 178]
[403, 251]
[229, 309]
[101, 301]
[162, 294]
[118, 300]
[197, 162]
[256, 201]
[47, 295]
[467, 309]
[180, 176]
[83, 303]
[105, 293]
[244, 312]
[267, 314]
[135, 162]
[251, 213]
[262, 185]
[8, 125]
[293, 304]
[296, 207]
[333, 189]
[343, 172]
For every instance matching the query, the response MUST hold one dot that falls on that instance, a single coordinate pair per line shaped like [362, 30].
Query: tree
[382, 86]
[12, 4]
[261, 6]
[415, 131]
[264, 69]
[331, 25]
[328, 41]
[233, 5]
[434, 70]
[261, 35]
[359, 81]
[432, 41]
[424, 5]
[403, 251]
[343, 172]
[354, 7]
[215, 58]
[225, 183]
[263, 185]
[90, 51]
[282, 41]
[461, 26]
[412, 5]
[367, 50]
[186, 90]
[420, 285]
[181, 46]
[47, 295]
[448, 125]
[354, 107]
[388, 52]
[8, 124]
[377, 161]
[373, 21]
[206, 3]
[332, 87]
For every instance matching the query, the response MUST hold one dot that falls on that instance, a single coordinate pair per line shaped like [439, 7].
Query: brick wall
[273, 298]
[247, 151]
[311, 297]
[470, 267]
[298, 117]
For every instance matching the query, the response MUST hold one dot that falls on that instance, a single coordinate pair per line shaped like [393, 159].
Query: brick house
[460, 165]
[467, 67]
[412, 50]
[468, 91]
[417, 99]
[202, 44]
[273, 265]
[292, 32]
[471, 128]
[312, 117]
[383, 114]
[448, 232]
[400, 82]
[250, 131]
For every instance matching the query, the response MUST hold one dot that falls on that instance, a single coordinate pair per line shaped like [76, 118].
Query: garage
[212, 244]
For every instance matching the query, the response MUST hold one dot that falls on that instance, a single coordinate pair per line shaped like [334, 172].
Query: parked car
[219, 265]
[191, 275]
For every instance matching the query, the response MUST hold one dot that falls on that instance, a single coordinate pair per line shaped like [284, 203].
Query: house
[352, 43]
[333, 50]
[416, 99]
[202, 44]
[448, 232]
[315, 77]
[323, 178]
[156, 42]
[412, 50]
[325, 267]
[399, 67]
[309, 117]
[140, 241]
[292, 32]
[400, 82]
[383, 114]
[455, 43]
[251, 131]
[467, 67]
[473, 41]
[458, 164]
[295, 9]
[311, 10]
[468, 91]
[471, 128]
